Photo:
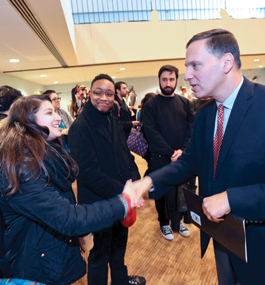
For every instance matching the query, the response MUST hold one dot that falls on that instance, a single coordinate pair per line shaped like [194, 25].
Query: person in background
[255, 79]
[183, 90]
[132, 102]
[80, 95]
[98, 144]
[66, 120]
[8, 95]
[37, 202]
[122, 112]
[147, 156]
[168, 122]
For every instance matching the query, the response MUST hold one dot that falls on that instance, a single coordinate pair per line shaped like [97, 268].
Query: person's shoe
[184, 230]
[137, 280]
[167, 232]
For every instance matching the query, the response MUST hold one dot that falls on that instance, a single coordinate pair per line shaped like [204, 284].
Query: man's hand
[135, 123]
[142, 187]
[131, 191]
[176, 154]
[216, 206]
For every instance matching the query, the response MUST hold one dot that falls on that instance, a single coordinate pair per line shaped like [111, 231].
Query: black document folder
[230, 233]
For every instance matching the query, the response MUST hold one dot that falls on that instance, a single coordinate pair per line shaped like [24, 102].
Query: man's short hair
[102, 76]
[8, 95]
[169, 68]
[219, 42]
[118, 85]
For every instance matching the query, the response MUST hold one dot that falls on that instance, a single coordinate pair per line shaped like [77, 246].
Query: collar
[230, 100]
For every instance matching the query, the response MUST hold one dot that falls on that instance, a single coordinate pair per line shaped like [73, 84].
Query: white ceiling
[17, 40]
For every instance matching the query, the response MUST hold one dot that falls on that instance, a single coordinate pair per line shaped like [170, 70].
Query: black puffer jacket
[50, 253]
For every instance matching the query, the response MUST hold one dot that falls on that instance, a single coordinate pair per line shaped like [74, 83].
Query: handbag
[136, 141]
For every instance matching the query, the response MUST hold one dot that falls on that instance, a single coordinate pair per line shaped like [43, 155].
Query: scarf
[57, 169]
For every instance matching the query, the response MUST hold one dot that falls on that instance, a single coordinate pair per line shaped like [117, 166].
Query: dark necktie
[217, 142]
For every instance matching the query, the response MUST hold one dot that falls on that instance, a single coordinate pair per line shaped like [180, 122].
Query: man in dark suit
[232, 178]
[122, 112]
[97, 143]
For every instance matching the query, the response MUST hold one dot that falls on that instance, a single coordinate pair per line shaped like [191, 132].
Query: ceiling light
[55, 82]
[43, 75]
[260, 65]
[122, 68]
[113, 77]
[256, 59]
[14, 60]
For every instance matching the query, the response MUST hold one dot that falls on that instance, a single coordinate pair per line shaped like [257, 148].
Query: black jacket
[50, 252]
[123, 113]
[104, 160]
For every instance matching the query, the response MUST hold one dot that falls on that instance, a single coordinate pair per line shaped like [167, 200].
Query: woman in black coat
[37, 201]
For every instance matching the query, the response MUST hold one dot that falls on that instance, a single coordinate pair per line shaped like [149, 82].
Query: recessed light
[256, 59]
[43, 75]
[260, 65]
[55, 82]
[113, 77]
[122, 68]
[14, 60]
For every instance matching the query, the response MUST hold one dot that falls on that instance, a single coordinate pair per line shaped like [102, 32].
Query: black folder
[230, 233]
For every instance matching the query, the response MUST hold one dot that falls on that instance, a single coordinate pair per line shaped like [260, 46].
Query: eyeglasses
[101, 93]
[56, 99]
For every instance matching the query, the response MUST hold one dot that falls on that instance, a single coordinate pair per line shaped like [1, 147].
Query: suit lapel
[101, 129]
[96, 120]
[117, 130]
[239, 110]
[210, 122]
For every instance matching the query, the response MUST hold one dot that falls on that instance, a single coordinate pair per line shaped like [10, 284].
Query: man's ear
[228, 62]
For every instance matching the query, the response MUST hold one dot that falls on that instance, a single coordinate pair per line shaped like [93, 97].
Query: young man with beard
[97, 143]
[168, 121]
[122, 112]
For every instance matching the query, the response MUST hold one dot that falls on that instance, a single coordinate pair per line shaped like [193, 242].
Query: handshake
[136, 190]
[133, 193]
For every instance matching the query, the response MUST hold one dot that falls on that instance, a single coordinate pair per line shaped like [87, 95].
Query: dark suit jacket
[104, 160]
[240, 170]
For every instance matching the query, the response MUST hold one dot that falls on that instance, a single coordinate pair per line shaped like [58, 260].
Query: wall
[26, 87]
[136, 41]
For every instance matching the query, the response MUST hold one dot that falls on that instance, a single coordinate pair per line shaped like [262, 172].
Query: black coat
[105, 162]
[50, 252]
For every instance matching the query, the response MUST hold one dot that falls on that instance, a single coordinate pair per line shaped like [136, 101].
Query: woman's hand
[130, 190]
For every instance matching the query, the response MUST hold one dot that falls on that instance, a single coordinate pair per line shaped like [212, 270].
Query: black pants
[109, 248]
[225, 271]
[166, 206]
